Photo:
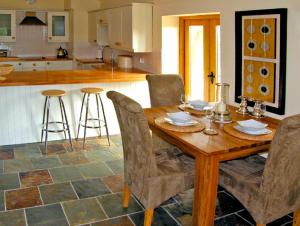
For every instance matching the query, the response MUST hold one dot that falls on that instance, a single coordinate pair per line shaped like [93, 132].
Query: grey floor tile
[83, 211]
[46, 216]
[113, 205]
[17, 165]
[94, 170]
[67, 173]
[27, 152]
[117, 166]
[231, 220]
[12, 218]
[57, 193]
[9, 181]
[120, 221]
[2, 206]
[90, 188]
[45, 162]
[160, 218]
[100, 155]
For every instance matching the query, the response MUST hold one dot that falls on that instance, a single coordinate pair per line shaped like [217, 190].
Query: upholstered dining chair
[164, 90]
[269, 188]
[153, 177]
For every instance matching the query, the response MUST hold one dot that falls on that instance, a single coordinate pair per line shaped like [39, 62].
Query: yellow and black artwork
[261, 56]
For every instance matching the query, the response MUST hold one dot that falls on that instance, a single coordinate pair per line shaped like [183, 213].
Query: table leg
[205, 191]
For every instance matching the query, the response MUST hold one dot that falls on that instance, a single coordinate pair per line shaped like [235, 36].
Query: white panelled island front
[22, 104]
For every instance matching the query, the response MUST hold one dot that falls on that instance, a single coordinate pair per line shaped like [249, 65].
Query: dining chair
[269, 188]
[153, 177]
[164, 90]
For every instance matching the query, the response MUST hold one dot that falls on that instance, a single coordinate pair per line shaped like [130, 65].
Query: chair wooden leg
[148, 217]
[126, 196]
[260, 224]
[296, 221]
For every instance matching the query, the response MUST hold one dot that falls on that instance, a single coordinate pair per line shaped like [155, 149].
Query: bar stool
[87, 92]
[64, 120]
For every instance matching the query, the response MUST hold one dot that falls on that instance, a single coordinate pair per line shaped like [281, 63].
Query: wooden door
[199, 52]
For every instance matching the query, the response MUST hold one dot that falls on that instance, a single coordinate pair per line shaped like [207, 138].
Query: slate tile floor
[84, 187]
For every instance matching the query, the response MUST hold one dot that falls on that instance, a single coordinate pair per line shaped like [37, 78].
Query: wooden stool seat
[54, 93]
[91, 90]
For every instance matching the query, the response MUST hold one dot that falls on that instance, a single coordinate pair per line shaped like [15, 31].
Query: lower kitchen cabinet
[41, 65]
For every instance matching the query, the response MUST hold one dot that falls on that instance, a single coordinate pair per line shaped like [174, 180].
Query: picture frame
[260, 47]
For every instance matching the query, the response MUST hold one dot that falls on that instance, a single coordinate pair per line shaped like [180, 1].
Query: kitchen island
[22, 103]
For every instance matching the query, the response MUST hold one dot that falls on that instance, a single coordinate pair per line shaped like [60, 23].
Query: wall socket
[142, 60]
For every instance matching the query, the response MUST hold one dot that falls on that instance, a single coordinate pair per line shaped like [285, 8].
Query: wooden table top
[104, 75]
[199, 142]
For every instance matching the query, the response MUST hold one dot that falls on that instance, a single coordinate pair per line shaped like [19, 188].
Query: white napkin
[252, 125]
[179, 117]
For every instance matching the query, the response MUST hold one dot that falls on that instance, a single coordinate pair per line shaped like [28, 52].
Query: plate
[253, 132]
[179, 117]
[189, 123]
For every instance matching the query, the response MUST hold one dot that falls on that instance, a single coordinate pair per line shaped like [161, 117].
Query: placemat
[2, 78]
[229, 128]
[161, 122]
[190, 110]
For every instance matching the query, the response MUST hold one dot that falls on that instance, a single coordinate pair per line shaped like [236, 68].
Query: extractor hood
[31, 19]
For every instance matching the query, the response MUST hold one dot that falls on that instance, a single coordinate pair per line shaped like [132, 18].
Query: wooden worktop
[11, 59]
[102, 75]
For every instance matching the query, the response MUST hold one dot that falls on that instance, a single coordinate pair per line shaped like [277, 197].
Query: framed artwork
[260, 39]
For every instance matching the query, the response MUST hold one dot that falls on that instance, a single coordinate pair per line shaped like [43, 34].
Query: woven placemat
[191, 110]
[161, 122]
[2, 78]
[229, 128]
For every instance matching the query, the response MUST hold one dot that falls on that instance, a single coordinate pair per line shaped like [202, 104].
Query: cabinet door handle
[34, 70]
[33, 64]
[19, 64]
[50, 38]
[117, 43]
[48, 63]
[13, 37]
[95, 41]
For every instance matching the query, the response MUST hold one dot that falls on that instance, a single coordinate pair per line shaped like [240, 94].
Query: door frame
[183, 70]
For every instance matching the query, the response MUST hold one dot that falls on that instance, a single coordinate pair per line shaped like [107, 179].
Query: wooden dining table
[209, 152]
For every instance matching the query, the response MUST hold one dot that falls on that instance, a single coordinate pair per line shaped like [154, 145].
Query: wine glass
[263, 109]
[210, 114]
[184, 99]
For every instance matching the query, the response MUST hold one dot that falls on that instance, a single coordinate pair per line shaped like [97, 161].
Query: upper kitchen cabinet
[58, 27]
[98, 27]
[7, 26]
[130, 27]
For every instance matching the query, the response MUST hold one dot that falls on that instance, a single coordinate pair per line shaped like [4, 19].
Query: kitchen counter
[89, 60]
[11, 59]
[103, 74]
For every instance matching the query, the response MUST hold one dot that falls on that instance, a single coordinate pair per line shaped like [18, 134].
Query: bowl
[181, 117]
[6, 69]
[252, 125]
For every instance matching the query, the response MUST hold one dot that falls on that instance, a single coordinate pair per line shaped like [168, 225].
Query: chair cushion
[242, 177]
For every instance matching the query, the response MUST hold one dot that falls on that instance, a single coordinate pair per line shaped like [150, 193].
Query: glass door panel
[58, 26]
[196, 63]
[5, 25]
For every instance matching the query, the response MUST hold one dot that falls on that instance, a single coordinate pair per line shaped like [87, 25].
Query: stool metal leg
[62, 118]
[98, 113]
[86, 118]
[80, 116]
[42, 134]
[47, 123]
[67, 123]
[107, 134]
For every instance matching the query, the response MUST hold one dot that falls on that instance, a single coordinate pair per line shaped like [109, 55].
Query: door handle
[211, 77]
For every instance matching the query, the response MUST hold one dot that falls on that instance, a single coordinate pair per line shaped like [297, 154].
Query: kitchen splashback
[33, 39]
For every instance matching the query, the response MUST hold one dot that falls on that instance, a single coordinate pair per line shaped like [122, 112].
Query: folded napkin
[263, 131]
[252, 125]
[179, 117]
[198, 104]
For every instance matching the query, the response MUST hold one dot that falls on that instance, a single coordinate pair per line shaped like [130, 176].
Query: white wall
[227, 9]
